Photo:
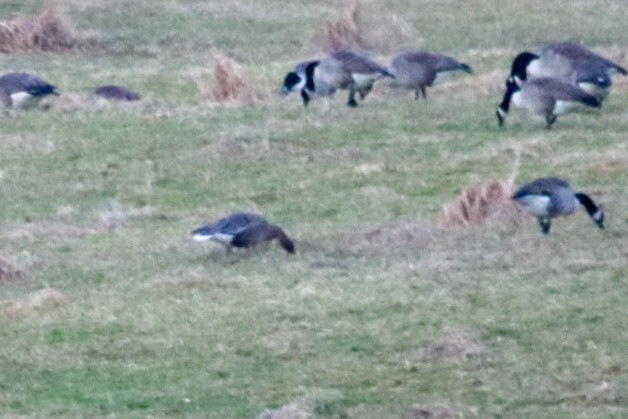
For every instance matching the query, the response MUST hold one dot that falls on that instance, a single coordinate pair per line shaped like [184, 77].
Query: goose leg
[550, 119]
[545, 225]
[352, 102]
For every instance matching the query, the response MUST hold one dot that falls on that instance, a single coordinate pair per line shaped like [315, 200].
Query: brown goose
[417, 70]
[243, 230]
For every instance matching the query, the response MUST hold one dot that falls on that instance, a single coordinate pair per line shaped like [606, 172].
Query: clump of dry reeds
[344, 32]
[46, 32]
[227, 83]
[479, 202]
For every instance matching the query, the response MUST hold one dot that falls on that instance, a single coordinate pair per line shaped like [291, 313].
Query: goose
[417, 70]
[339, 70]
[547, 97]
[115, 92]
[243, 230]
[23, 90]
[550, 197]
[569, 62]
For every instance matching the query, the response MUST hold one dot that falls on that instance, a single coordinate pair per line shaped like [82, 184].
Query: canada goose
[339, 70]
[548, 198]
[544, 96]
[417, 69]
[243, 230]
[571, 63]
[115, 92]
[23, 90]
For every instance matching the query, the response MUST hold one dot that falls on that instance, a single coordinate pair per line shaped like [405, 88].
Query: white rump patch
[562, 107]
[22, 99]
[362, 80]
[536, 205]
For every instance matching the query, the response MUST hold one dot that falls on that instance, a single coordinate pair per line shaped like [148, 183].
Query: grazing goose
[571, 63]
[417, 70]
[244, 230]
[114, 92]
[23, 90]
[547, 97]
[339, 70]
[548, 198]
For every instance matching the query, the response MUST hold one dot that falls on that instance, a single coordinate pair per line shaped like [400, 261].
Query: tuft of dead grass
[342, 33]
[228, 83]
[482, 201]
[47, 32]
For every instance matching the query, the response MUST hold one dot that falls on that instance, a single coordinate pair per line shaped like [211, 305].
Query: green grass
[120, 314]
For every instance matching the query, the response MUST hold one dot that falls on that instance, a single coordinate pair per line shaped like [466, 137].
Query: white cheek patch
[535, 69]
[597, 216]
[536, 205]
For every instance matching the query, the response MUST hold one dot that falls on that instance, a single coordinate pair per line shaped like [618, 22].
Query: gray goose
[416, 70]
[547, 97]
[338, 70]
[23, 90]
[550, 197]
[571, 63]
[243, 230]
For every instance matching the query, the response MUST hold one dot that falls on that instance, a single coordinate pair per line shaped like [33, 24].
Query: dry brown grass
[480, 202]
[344, 32]
[47, 32]
[228, 83]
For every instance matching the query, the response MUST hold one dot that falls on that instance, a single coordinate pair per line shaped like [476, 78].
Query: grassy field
[385, 311]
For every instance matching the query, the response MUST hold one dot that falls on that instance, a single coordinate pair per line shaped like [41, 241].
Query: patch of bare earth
[8, 272]
[35, 301]
[438, 411]
[288, 339]
[455, 343]
[318, 403]
[49, 231]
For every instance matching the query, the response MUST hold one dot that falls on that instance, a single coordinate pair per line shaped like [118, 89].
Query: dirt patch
[455, 343]
[35, 301]
[318, 403]
[9, 273]
[52, 230]
[437, 411]
[288, 339]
